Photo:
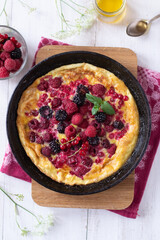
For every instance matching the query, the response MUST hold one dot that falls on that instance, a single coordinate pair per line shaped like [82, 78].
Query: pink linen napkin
[150, 81]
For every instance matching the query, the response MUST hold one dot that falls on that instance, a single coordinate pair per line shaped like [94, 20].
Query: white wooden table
[82, 224]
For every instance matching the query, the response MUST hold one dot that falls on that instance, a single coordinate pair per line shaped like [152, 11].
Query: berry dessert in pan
[78, 123]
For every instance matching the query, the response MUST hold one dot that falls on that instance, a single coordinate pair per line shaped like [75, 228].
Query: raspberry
[109, 128]
[77, 119]
[70, 106]
[118, 125]
[4, 55]
[1, 63]
[73, 162]
[55, 82]
[44, 123]
[46, 151]
[100, 117]
[93, 141]
[106, 143]
[10, 64]
[43, 86]
[3, 72]
[8, 46]
[56, 102]
[16, 54]
[39, 140]
[47, 137]
[83, 136]
[83, 109]
[18, 63]
[98, 90]
[91, 131]
[46, 112]
[70, 131]
[80, 171]
[61, 115]
[79, 99]
[95, 124]
[93, 151]
[101, 132]
[84, 124]
[87, 161]
[112, 149]
[32, 136]
[33, 124]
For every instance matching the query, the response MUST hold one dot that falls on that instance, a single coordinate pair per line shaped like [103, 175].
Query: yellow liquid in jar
[109, 5]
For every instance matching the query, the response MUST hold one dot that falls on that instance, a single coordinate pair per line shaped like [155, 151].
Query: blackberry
[61, 127]
[46, 112]
[61, 115]
[81, 89]
[16, 53]
[94, 141]
[100, 117]
[79, 99]
[55, 146]
[118, 125]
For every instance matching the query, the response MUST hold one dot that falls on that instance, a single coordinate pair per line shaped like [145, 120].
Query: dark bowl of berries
[13, 52]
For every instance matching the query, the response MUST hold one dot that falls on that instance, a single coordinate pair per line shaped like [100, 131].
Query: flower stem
[71, 139]
[77, 4]
[75, 152]
[4, 7]
[72, 7]
[18, 205]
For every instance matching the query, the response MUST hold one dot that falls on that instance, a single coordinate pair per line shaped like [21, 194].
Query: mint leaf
[94, 99]
[107, 108]
[95, 109]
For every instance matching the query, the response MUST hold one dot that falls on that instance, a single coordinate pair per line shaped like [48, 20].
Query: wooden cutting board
[116, 198]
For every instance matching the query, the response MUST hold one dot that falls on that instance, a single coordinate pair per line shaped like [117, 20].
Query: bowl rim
[24, 60]
[42, 174]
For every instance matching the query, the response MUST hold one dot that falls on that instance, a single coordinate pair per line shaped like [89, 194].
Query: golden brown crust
[125, 145]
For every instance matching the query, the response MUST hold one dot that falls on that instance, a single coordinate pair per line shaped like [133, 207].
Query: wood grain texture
[118, 197]
[123, 55]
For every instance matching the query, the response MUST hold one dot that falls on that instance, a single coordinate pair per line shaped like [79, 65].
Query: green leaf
[107, 108]
[95, 109]
[94, 99]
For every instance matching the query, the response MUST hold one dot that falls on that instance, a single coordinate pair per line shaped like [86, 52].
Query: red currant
[125, 98]
[82, 153]
[68, 145]
[78, 138]
[5, 36]
[111, 135]
[112, 100]
[121, 102]
[120, 96]
[62, 147]
[18, 45]
[115, 95]
[13, 40]
[63, 140]
[76, 142]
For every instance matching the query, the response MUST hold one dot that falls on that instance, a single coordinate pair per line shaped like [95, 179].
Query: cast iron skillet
[99, 61]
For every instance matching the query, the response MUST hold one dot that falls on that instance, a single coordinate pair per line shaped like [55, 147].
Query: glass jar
[110, 11]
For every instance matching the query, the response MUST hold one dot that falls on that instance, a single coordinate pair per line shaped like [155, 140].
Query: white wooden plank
[72, 223]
